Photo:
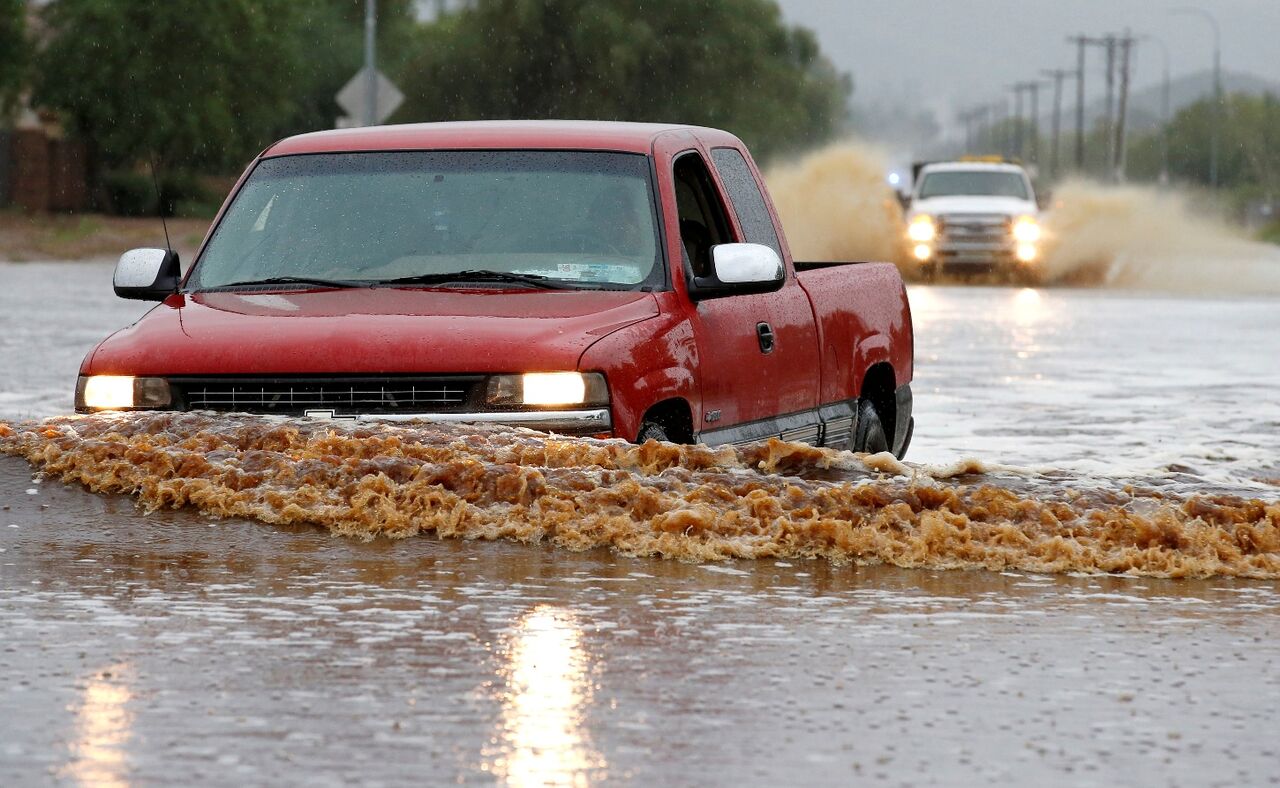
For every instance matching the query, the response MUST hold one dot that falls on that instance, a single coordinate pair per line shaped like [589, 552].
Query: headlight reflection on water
[544, 739]
[104, 725]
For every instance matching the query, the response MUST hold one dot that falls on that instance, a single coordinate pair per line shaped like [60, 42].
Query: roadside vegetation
[202, 87]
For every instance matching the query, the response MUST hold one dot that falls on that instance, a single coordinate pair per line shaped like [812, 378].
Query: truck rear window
[583, 218]
[973, 182]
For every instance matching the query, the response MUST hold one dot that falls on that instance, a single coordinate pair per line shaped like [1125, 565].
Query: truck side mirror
[904, 199]
[740, 269]
[1044, 199]
[147, 274]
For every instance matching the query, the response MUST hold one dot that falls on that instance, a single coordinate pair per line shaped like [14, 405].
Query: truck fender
[872, 350]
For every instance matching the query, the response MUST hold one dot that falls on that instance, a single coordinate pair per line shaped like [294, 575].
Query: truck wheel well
[675, 416]
[878, 386]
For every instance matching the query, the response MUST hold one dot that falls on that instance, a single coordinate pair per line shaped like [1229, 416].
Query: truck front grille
[295, 396]
[975, 228]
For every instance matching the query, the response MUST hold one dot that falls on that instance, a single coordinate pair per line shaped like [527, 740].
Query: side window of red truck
[748, 202]
[703, 222]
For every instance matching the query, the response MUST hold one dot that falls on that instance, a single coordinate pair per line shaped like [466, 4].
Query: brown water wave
[771, 500]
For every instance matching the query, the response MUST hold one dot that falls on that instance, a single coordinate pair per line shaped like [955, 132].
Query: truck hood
[1008, 206]
[367, 331]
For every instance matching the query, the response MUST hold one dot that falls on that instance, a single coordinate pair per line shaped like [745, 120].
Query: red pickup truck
[608, 279]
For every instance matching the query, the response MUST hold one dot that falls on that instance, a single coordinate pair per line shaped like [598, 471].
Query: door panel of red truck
[796, 357]
[743, 379]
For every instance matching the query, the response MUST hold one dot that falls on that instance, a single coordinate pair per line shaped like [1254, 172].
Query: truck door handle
[764, 332]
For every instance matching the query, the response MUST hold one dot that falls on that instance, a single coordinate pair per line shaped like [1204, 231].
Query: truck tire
[870, 435]
[652, 430]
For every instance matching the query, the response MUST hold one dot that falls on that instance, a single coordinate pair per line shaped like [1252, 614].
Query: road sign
[354, 97]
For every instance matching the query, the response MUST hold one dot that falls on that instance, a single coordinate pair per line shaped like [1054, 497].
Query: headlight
[922, 229]
[1026, 230]
[548, 388]
[119, 392]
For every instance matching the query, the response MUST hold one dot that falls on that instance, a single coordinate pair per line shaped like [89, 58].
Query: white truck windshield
[576, 218]
[985, 183]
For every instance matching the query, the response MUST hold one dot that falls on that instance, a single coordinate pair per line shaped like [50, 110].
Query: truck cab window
[748, 202]
[703, 223]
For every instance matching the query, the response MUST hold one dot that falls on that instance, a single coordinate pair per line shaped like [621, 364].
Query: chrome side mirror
[740, 264]
[147, 274]
[739, 269]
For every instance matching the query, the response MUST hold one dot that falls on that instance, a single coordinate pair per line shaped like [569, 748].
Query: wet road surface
[155, 648]
[172, 647]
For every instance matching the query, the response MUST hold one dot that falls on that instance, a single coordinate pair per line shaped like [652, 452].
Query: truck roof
[499, 134]
[990, 166]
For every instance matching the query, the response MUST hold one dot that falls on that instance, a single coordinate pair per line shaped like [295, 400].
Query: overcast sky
[949, 53]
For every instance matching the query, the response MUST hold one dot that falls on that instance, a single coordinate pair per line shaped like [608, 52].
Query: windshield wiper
[480, 275]
[294, 280]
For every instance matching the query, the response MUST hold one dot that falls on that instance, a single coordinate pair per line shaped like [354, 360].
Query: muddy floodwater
[1105, 465]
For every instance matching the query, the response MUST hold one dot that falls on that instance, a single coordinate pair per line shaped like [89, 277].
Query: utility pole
[1017, 120]
[1108, 129]
[1081, 41]
[984, 126]
[370, 62]
[1032, 89]
[1057, 75]
[1120, 156]
[1164, 110]
[966, 117]
[1001, 123]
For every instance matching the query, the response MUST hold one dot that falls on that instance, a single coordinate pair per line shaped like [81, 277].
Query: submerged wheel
[870, 436]
[652, 430]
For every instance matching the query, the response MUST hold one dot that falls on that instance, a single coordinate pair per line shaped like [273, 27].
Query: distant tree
[203, 85]
[727, 63]
[1249, 147]
[13, 53]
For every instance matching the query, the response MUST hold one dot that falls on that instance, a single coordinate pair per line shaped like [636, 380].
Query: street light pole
[1216, 127]
[370, 62]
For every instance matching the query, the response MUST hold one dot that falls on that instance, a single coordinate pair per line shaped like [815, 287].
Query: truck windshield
[579, 219]
[973, 182]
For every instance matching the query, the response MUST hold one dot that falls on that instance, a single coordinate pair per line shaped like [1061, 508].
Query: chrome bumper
[575, 422]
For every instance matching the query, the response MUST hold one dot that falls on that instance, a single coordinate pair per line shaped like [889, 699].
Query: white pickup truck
[968, 217]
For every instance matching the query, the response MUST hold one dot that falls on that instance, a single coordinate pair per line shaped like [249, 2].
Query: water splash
[835, 205]
[693, 503]
[1141, 237]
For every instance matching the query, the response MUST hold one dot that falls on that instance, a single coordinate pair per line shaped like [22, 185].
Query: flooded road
[155, 648]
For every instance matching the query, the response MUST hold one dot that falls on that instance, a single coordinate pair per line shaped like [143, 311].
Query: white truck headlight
[922, 229]
[548, 388]
[1026, 230]
[121, 392]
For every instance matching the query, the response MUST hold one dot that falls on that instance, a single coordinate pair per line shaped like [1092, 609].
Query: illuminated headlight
[548, 388]
[1026, 230]
[121, 392]
[922, 252]
[922, 229]
[1026, 253]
